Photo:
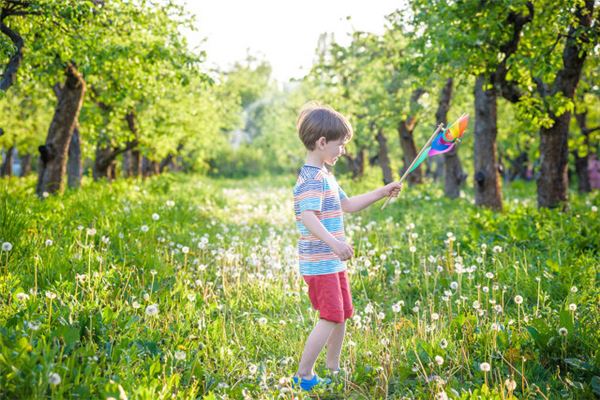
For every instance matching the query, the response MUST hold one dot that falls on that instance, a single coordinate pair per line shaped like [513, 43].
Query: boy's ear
[321, 142]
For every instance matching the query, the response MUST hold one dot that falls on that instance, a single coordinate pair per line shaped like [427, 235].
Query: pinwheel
[442, 141]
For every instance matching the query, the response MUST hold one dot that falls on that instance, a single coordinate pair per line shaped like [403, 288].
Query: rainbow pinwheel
[444, 141]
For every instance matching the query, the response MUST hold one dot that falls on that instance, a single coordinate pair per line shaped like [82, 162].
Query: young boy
[319, 205]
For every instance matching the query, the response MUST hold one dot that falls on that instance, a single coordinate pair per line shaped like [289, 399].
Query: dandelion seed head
[54, 378]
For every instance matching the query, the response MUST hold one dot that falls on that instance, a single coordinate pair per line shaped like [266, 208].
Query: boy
[319, 205]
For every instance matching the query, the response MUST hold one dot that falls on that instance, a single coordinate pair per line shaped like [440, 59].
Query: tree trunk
[487, 179]
[453, 173]
[384, 159]
[136, 162]
[105, 156]
[581, 162]
[127, 164]
[407, 142]
[135, 166]
[553, 183]
[357, 164]
[7, 163]
[26, 164]
[53, 154]
[74, 164]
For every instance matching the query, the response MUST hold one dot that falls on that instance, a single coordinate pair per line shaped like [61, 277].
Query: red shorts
[330, 294]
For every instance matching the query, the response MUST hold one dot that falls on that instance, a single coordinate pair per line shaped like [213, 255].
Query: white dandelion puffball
[572, 306]
[439, 360]
[152, 310]
[563, 331]
[54, 378]
[7, 246]
[180, 355]
[144, 228]
[485, 367]
[510, 384]
[518, 299]
[155, 217]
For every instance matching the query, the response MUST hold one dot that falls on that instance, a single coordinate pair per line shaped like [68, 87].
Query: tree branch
[10, 71]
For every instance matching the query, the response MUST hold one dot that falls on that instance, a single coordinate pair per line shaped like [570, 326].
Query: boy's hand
[343, 250]
[392, 189]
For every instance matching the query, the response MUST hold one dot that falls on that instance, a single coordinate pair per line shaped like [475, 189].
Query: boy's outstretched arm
[341, 249]
[357, 203]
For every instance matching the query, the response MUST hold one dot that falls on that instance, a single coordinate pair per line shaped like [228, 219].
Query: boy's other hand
[343, 250]
[392, 189]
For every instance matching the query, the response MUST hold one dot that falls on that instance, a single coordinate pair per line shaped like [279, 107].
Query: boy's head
[323, 129]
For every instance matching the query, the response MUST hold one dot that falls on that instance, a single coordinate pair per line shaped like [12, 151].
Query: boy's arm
[342, 249]
[357, 203]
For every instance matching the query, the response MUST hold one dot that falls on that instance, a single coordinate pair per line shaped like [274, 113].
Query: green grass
[219, 263]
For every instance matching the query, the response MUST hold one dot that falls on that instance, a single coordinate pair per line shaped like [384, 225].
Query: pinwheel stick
[439, 128]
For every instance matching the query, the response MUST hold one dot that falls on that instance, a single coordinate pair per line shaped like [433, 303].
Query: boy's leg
[334, 346]
[314, 344]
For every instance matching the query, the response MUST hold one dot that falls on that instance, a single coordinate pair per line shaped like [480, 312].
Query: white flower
[594, 209]
[441, 396]
[170, 203]
[497, 249]
[54, 378]
[439, 360]
[563, 331]
[412, 249]
[489, 275]
[144, 228]
[105, 239]
[443, 343]
[518, 299]
[252, 369]
[91, 231]
[572, 306]
[476, 305]
[153, 272]
[510, 384]
[435, 316]
[485, 367]
[453, 285]
[146, 297]
[185, 249]
[573, 289]
[33, 325]
[50, 295]
[191, 297]
[180, 355]
[45, 195]
[22, 296]
[152, 310]
[369, 308]
[262, 321]
[6, 246]
[49, 242]
[135, 305]
[396, 308]
[155, 216]
[380, 316]
[384, 342]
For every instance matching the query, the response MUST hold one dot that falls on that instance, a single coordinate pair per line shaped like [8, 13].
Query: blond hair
[316, 121]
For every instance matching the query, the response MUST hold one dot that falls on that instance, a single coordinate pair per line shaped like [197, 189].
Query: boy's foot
[309, 384]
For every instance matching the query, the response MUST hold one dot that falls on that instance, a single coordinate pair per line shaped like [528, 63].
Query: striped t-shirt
[317, 190]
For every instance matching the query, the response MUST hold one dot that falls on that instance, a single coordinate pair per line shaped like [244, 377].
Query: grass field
[187, 287]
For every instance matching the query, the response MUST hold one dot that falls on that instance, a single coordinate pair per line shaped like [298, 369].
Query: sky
[285, 33]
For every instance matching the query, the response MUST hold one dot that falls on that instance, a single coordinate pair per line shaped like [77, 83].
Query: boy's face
[333, 150]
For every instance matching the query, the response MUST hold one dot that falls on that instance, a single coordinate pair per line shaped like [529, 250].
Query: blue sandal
[309, 384]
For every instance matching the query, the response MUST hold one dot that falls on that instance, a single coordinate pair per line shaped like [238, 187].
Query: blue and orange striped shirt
[317, 190]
